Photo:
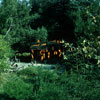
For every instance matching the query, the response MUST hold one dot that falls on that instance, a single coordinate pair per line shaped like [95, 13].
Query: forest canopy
[24, 22]
[76, 76]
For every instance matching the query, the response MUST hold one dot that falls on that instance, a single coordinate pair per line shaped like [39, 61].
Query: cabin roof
[45, 45]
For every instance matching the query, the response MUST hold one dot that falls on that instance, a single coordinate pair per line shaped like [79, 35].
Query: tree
[5, 53]
[55, 16]
[86, 19]
[16, 24]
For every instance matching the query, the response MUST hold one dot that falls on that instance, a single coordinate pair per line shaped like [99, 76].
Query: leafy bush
[5, 53]
[17, 89]
[3, 65]
[84, 58]
[47, 85]
[74, 86]
[86, 18]
[5, 50]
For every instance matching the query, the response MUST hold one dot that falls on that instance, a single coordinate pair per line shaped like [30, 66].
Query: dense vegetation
[23, 22]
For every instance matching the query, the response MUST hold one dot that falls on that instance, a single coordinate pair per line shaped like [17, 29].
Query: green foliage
[84, 58]
[36, 73]
[86, 19]
[34, 83]
[40, 34]
[55, 16]
[5, 53]
[16, 19]
[76, 87]
[23, 23]
[5, 50]
[74, 58]
[18, 89]
[49, 86]
[3, 65]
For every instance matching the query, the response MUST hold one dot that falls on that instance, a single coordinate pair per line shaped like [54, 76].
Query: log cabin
[47, 50]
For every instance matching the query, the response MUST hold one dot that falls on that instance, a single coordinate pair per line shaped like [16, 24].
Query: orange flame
[38, 41]
[32, 51]
[42, 58]
[32, 56]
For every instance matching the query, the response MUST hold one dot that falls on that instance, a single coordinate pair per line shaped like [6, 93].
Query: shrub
[47, 85]
[17, 89]
[5, 53]
[5, 50]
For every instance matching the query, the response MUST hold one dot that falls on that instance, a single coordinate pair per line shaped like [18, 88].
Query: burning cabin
[51, 50]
